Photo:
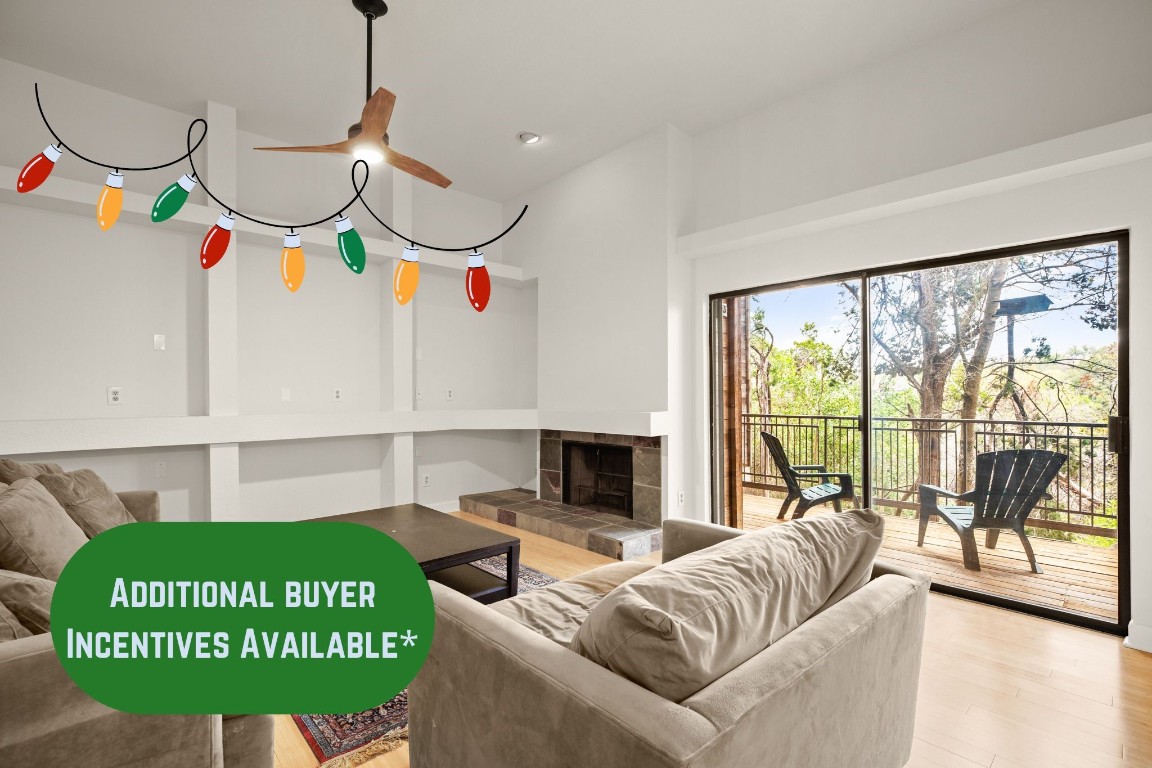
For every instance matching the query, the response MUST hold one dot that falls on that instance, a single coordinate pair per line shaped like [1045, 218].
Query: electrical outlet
[680, 498]
[338, 395]
[426, 480]
[419, 394]
[115, 395]
[285, 395]
[159, 343]
[450, 395]
[161, 469]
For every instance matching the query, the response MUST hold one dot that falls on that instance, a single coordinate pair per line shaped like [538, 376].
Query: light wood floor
[998, 689]
[1077, 577]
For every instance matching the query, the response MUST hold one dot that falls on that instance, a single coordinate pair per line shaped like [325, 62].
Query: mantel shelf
[65, 435]
[66, 195]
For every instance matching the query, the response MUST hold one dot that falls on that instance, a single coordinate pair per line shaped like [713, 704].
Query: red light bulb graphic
[477, 283]
[37, 169]
[216, 241]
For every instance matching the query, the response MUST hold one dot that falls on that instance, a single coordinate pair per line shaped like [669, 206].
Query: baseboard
[443, 506]
[1139, 637]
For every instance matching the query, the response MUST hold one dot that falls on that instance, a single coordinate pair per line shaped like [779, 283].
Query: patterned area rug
[345, 741]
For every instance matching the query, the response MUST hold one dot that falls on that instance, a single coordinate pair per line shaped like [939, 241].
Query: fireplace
[630, 470]
[598, 477]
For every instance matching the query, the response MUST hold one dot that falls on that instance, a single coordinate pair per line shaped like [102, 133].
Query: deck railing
[1083, 495]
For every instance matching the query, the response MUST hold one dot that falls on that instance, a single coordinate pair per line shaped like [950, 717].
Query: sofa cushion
[29, 598]
[10, 626]
[11, 471]
[687, 622]
[37, 537]
[558, 610]
[88, 500]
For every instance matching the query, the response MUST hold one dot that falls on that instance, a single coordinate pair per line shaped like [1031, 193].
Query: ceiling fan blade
[416, 168]
[378, 112]
[340, 146]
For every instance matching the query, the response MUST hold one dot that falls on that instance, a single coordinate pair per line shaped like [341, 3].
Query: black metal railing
[1083, 495]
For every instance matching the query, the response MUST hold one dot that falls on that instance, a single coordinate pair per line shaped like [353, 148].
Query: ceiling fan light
[368, 154]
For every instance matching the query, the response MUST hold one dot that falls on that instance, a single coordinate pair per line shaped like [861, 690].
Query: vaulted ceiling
[471, 74]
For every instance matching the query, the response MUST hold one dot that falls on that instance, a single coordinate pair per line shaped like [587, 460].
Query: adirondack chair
[1008, 486]
[808, 497]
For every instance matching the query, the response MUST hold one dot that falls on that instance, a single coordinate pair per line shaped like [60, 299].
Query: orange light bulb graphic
[407, 276]
[292, 262]
[111, 201]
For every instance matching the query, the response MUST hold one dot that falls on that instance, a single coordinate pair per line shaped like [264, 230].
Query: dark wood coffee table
[445, 546]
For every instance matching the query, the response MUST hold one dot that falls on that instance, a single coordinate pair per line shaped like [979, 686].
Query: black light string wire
[62, 145]
[357, 188]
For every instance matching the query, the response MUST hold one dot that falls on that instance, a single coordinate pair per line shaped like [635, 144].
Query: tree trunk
[974, 374]
[931, 381]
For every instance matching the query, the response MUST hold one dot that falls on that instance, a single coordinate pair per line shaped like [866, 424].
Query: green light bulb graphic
[351, 245]
[172, 199]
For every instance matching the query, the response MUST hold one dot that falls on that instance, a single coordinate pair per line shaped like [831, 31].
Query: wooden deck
[1076, 578]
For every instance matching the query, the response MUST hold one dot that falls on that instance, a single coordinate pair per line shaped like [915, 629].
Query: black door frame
[1121, 238]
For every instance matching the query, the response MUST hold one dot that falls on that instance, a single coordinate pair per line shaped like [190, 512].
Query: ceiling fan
[368, 139]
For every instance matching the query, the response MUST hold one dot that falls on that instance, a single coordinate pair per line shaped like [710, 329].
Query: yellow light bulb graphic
[110, 202]
[407, 275]
[292, 262]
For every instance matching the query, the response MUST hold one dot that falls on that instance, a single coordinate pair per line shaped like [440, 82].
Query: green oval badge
[260, 618]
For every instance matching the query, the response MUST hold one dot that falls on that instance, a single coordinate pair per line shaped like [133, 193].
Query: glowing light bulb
[477, 283]
[407, 276]
[292, 262]
[216, 241]
[351, 245]
[171, 200]
[111, 201]
[37, 169]
[367, 153]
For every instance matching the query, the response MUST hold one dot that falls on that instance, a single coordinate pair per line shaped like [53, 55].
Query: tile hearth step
[600, 532]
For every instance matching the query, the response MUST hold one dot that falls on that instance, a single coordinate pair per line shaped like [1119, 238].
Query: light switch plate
[159, 342]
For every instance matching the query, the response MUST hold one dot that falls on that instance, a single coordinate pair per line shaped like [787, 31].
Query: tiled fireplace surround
[646, 475]
[597, 531]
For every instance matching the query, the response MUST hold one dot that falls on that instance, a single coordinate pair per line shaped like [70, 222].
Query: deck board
[1077, 577]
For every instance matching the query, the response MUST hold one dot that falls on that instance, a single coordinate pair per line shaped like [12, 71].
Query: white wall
[183, 490]
[302, 479]
[457, 463]
[1040, 70]
[598, 240]
[81, 307]
[326, 335]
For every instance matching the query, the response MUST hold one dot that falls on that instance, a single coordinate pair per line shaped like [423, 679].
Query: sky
[786, 311]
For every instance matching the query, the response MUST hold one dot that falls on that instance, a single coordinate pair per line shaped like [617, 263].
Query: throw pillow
[10, 626]
[29, 598]
[37, 537]
[686, 623]
[11, 471]
[87, 500]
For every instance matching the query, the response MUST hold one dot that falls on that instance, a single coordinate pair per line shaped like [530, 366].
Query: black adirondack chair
[1008, 486]
[822, 493]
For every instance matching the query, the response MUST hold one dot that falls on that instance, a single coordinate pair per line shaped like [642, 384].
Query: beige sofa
[839, 691]
[45, 720]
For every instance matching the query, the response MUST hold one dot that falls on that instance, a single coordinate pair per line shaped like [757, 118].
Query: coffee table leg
[513, 569]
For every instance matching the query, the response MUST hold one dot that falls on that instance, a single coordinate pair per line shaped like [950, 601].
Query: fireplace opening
[598, 477]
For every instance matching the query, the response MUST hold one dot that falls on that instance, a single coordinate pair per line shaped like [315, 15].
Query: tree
[926, 322]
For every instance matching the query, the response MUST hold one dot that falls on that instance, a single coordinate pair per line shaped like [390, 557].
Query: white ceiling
[470, 74]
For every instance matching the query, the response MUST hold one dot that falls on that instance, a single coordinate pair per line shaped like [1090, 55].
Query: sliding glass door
[947, 391]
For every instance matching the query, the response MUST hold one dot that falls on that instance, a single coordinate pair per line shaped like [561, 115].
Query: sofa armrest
[46, 720]
[493, 692]
[142, 505]
[883, 568]
[851, 671]
[682, 537]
